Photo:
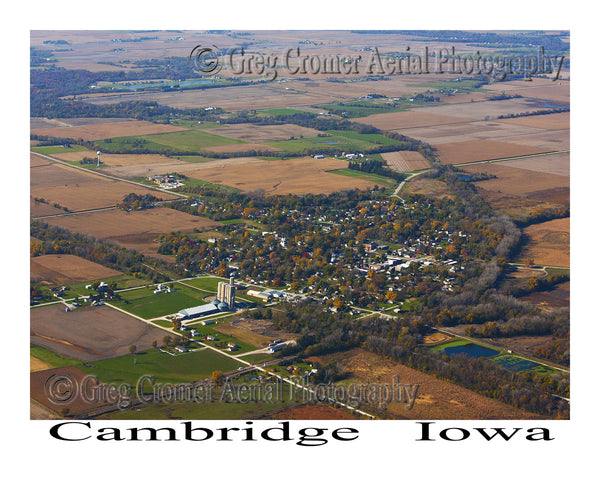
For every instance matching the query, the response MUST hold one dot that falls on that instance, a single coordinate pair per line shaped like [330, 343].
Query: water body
[471, 349]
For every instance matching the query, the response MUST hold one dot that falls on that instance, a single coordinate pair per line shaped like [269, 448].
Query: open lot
[548, 243]
[89, 333]
[295, 176]
[66, 269]
[98, 131]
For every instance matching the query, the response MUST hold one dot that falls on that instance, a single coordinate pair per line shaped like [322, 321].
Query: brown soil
[89, 333]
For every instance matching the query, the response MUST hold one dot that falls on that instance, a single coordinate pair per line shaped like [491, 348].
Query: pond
[471, 349]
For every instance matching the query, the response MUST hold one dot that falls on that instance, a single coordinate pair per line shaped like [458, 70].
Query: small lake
[470, 349]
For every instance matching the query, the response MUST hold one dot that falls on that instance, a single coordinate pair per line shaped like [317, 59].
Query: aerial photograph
[344, 225]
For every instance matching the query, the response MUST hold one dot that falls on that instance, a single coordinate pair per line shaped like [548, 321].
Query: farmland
[548, 243]
[98, 131]
[67, 269]
[133, 228]
[89, 333]
[482, 150]
[296, 176]
[78, 190]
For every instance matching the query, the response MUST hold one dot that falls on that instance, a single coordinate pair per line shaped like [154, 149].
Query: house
[181, 349]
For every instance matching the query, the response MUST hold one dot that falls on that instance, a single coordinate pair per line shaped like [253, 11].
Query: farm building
[198, 311]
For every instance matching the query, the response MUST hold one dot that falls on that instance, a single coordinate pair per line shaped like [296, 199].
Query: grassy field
[388, 182]
[350, 141]
[188, 141]
[144, 303]
[360, 108]
[52, 358]
[58, 149]
[188, 367]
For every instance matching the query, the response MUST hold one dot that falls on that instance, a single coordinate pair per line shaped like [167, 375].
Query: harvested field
[480, 130]
[262, 133]
[65, 269]
[38, 123]
[133, 228]
[554, 121]
[405, 161]
[548, 243]
[557, 164]
[116, 160]
[310, 412]
[553, 140]
[481, 150]
[39, 209]
[538, 88]
[517, 181]
[79, 190]
[101, 131]
[231, 99]
[37, 161]
[89, 333]
[401, 120]
[296, 176]
[436, 399]
[41, 391]
[486, 110]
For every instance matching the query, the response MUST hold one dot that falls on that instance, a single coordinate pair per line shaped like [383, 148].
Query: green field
[360, 108]
[58, 149]
[191, 140]
[188, 141]
[337, 139]
[388, 182]
[188, 367]
[144, 303]
[209, 284]
[52, 358]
